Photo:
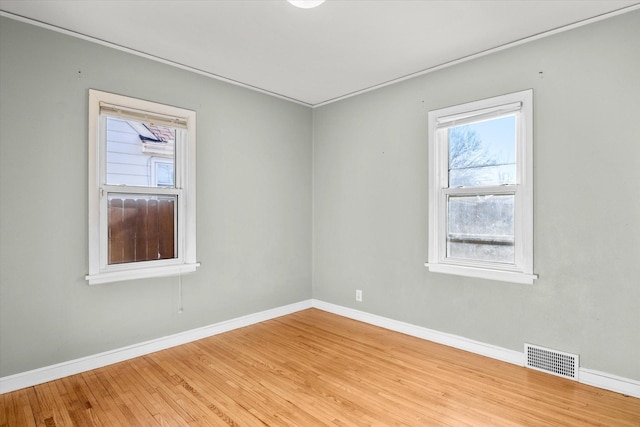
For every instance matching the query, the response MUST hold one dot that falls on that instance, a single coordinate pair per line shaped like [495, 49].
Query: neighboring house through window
[481, 189]
[141, 189]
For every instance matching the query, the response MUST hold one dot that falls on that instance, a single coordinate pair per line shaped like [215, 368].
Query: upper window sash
[181, 147]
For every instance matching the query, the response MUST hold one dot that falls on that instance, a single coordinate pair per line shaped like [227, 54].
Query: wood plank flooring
[313, 368]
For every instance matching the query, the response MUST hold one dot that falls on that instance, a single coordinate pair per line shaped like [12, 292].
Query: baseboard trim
[10, 383]
[488, 350]
[76, 366]
[610, 382]
[586, 376]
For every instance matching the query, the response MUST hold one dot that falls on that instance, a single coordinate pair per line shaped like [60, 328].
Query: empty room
[308, 213]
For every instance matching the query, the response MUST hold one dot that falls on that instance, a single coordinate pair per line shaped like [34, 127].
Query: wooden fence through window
[141, 229]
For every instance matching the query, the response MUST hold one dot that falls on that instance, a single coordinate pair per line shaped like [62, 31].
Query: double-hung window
[142, 189]
[481, 189]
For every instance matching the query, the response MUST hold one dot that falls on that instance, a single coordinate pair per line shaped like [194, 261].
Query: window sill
[483, 273]
[141, 273]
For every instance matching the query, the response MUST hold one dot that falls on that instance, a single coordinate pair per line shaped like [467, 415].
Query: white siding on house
[126, 162]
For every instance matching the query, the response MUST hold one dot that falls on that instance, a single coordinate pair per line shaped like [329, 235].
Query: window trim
[521, 271]
[185, 181]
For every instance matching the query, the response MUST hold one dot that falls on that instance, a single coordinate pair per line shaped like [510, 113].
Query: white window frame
[521, 271]
[153, 166]
[102, 104]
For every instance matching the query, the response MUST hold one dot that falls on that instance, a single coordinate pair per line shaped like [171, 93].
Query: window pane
[481, 228]
[164, 174]
[139, 154]
[141, 227]
[483, 153]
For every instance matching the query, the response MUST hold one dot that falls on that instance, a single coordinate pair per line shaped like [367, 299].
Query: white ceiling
[312, 56]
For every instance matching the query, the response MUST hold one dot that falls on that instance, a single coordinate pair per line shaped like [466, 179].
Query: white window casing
[101, 106]
[520, 105]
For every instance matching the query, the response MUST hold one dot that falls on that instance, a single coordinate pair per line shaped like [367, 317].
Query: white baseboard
[49, 373]
[609, 382]
[76, 366]
[590, 377]
[495, 352]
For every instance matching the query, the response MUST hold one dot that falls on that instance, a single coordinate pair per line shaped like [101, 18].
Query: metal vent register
[552, 361]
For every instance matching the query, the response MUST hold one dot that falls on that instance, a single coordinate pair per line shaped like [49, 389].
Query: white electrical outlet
[358, 295]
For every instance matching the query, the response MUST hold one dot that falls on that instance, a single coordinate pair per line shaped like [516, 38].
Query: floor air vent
[552, 361]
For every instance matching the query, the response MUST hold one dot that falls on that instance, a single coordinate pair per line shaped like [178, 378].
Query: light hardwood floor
[313, 368]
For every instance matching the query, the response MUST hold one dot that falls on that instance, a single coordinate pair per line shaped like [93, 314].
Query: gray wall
[370, 200]
[256, 163]
[254, 202]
